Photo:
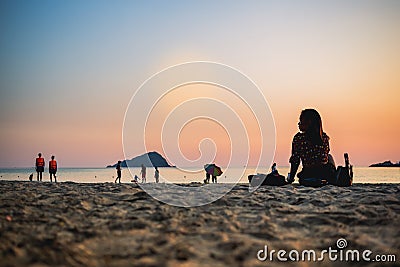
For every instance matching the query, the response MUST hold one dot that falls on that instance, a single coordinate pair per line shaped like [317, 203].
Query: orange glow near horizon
[199, 97]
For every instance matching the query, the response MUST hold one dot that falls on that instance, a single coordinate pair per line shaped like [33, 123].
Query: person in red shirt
[311, 147]
[39, 166]
[53, 169]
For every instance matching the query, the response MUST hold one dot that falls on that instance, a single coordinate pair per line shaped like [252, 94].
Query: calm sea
[174, 175]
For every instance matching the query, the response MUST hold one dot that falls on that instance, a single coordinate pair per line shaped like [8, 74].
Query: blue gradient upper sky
[69, 68]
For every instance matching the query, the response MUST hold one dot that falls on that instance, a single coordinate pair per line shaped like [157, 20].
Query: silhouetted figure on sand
[207, 180]
[118, 167]
[53, 169]
[39, 166]
[135, 179]
[311, 147]
[213, 171]
[273, 178]
[274, 170]
[143, 172]
[156, 174]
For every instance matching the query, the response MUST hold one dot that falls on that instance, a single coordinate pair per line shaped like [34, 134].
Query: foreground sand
[71, 224]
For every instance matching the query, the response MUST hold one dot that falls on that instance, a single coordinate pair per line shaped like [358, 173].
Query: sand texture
[72, 224]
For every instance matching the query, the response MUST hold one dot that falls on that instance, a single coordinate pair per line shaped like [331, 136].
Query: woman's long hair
[314, 130]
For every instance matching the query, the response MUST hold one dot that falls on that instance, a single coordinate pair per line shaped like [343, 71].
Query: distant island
[151, 159]
[387, 163]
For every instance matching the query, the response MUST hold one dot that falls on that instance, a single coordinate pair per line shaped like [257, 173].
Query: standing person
[53, 169]
[311, 146]
[39, 166]
[156, 174]
[118, 171]
[207, 180]
[143, 172]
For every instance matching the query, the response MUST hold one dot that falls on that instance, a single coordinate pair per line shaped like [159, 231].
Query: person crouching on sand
[311, 146]
[135, 179]
[53, 169]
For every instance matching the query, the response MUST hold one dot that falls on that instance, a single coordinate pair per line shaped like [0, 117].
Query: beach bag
[270, 179]
[344, 175]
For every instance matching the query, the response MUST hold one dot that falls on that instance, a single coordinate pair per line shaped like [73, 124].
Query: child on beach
[135, 179]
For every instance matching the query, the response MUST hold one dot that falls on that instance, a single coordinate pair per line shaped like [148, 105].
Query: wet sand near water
[80, 224]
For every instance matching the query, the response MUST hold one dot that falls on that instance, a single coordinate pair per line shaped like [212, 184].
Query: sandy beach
[76, 224]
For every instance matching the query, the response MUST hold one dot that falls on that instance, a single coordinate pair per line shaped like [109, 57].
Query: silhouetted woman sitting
[311, 146]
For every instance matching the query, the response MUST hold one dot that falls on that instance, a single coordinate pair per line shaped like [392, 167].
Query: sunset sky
[68, 70]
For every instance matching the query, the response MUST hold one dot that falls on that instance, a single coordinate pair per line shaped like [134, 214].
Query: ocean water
[175, 175]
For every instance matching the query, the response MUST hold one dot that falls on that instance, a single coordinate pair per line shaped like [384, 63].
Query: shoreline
[172, 175]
